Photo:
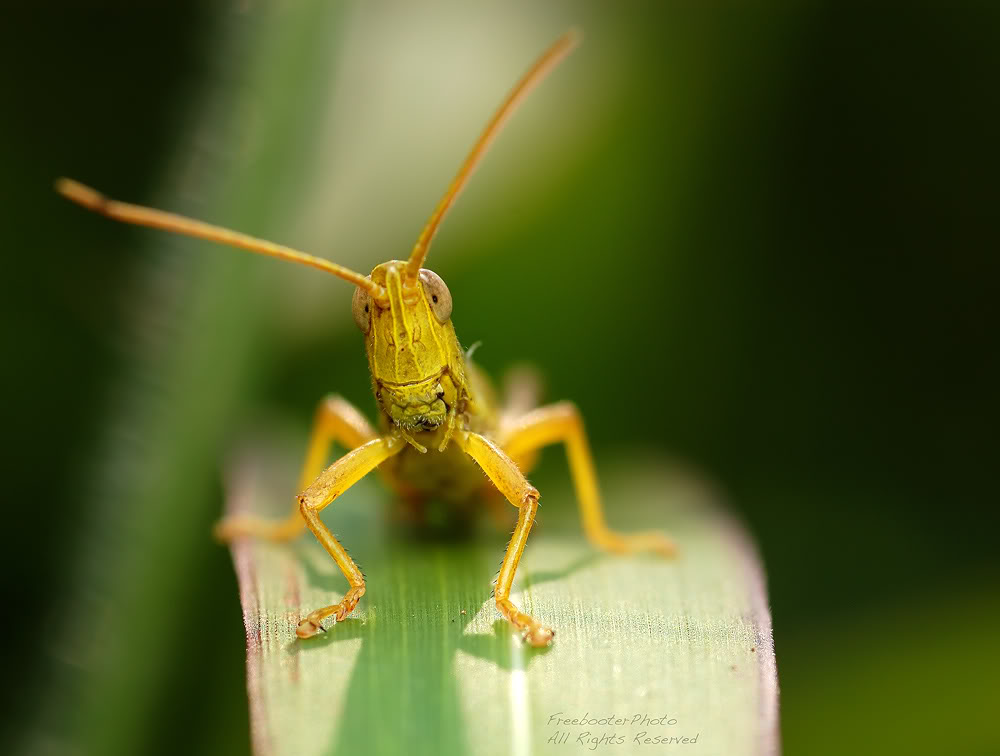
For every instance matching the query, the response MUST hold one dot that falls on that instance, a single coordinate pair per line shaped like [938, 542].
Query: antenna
[548, 60]
[147, 216]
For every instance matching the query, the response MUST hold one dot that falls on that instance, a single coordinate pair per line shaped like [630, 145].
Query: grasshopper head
[403, 309]
[415, 358]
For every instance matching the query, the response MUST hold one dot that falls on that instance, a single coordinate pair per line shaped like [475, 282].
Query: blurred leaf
[425, 664]
[906, 653]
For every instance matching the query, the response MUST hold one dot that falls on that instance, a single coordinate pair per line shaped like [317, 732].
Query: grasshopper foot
[313, 622]
[538, 636]
[634, 543]
[533, 632]
[240, 526]
[661, 544]
[309, 627]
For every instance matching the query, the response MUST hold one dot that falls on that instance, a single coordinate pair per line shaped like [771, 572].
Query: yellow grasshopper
[437, 418]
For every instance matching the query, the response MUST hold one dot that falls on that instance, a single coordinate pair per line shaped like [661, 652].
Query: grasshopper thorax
[417, 366]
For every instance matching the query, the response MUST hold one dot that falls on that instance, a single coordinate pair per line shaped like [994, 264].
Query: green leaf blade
[645, 648]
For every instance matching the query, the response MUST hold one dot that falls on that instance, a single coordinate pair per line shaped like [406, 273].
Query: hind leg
[522, 392]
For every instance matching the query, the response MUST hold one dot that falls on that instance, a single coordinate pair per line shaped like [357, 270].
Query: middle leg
[562, 422]
[336, 421]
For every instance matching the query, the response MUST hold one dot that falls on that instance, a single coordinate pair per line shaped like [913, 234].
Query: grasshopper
[438, 421]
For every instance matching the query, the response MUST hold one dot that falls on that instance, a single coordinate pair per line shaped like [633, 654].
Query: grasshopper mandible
[437, 417]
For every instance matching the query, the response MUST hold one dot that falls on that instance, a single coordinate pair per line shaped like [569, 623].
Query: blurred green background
[761, 238]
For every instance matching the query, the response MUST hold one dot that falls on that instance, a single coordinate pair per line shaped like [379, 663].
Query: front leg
[513, 485]
[332, 482]
[562, 422]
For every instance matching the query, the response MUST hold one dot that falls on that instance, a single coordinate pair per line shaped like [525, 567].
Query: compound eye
[361, 306]
[437, 294]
